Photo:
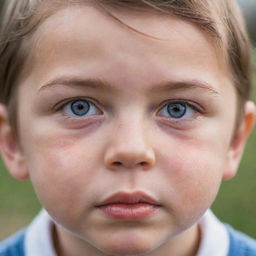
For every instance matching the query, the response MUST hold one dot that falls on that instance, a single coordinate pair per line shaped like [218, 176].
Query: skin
[128, 142]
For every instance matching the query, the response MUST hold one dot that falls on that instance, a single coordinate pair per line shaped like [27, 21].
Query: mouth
[129, 206]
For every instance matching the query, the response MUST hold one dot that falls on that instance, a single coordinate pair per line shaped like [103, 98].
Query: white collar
[38, 239]
[214, 236]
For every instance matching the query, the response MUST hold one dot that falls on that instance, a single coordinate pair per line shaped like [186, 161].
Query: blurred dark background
[235, 204]
[249, 9]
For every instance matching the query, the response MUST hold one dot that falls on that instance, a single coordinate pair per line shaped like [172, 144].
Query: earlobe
[238, 143]
[9, 148]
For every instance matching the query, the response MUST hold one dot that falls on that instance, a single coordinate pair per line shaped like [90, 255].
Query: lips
[129, 198]
[129, 206]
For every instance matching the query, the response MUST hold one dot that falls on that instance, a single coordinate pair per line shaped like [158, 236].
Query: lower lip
[122, 211]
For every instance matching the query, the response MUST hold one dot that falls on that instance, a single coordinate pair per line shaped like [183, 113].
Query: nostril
[116, 163]
[119, 163]
[143, 164]
[129, 160]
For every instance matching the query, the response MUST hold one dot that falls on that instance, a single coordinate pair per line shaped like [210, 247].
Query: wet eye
[80, 108]
[177, 110]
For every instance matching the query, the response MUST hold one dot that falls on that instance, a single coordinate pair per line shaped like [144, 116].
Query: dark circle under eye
[80, 107]
[176, 110]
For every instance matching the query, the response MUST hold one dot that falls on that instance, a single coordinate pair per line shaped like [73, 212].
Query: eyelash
[197, 110]
[193, 106]
[61, 106]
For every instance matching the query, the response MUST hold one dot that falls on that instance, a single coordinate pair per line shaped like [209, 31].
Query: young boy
[126, 116]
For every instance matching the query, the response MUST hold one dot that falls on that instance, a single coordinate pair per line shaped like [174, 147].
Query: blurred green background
[235, 204]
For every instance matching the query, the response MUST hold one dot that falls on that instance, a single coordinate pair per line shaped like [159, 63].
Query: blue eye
[80, 108]
[177, 110]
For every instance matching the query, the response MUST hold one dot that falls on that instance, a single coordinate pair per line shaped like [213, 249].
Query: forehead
[85, 40]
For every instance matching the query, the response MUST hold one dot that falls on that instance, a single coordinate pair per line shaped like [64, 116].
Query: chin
[128, 248]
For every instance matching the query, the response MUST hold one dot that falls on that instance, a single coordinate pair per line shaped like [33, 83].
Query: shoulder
[240, 244]
[14, 245]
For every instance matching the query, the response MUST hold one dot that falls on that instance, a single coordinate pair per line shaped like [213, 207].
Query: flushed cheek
[62, 173]
[191, 182]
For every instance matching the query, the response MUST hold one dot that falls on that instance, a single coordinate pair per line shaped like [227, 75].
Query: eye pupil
[176, 110]
[80, 107]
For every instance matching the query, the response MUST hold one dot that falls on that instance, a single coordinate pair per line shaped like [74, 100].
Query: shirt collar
[38, 239]
[214, 236]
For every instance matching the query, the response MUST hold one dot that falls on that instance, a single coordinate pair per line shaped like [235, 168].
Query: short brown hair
[222, 19]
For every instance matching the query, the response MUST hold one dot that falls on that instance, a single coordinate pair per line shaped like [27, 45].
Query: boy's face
[103, 109]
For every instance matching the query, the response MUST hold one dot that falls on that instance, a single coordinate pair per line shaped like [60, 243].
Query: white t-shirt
[214, 236]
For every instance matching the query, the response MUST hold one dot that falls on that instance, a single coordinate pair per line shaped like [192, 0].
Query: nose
[128, 148]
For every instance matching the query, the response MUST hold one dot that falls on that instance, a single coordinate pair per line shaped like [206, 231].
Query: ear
[10, 149]
[239, 140]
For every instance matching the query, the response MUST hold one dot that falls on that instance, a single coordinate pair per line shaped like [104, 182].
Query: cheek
[193, 174]
[62, 169]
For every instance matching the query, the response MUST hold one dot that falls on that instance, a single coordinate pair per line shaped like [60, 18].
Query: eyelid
[60, 105]
[195, 106]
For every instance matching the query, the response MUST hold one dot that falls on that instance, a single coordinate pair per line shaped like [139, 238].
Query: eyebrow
[78, 82]
[104, 85]
[183, 85]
